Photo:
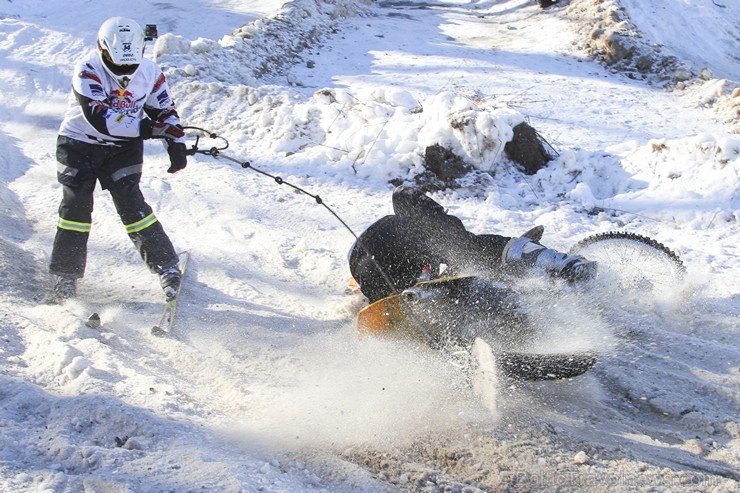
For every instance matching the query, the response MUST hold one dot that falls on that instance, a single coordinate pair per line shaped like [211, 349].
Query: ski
[167, 320]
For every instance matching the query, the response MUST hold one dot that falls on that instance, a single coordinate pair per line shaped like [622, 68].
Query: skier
[119, 98]
[420, 239]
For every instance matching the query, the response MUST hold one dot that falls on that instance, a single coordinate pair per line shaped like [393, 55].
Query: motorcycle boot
[522, 254]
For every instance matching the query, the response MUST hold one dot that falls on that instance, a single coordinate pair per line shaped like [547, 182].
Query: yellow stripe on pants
[141, 224]
[73, 225]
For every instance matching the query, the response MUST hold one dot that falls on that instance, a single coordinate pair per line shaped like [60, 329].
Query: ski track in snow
[266, 387]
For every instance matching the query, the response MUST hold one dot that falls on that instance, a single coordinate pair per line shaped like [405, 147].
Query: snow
[664, 26]
[267, 387]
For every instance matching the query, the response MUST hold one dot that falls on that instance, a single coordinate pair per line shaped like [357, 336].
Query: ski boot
[170, 279]
[64, 287]
[523, 253]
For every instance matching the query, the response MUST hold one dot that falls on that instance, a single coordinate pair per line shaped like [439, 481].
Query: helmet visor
[124, 69]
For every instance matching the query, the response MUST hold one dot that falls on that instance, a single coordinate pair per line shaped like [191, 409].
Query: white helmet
[121, 46]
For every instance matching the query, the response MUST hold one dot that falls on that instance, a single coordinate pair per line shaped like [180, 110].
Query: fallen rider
[420, 241]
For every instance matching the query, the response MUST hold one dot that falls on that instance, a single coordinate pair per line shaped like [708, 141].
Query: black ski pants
[81, 166]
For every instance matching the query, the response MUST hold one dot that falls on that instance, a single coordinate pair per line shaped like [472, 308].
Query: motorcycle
[490, 317]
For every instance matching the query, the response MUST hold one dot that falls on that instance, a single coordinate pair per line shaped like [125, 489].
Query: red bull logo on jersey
[122, 93]
[122, 101]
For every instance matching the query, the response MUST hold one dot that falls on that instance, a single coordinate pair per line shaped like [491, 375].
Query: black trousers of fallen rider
[390, 255]
[118, 169]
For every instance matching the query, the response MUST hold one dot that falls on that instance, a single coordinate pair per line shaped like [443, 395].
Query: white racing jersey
[102, 112]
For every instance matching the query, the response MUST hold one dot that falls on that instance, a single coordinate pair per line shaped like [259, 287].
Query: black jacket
[397, 250]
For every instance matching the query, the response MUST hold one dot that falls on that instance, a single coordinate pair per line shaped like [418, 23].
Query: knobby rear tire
[633, 259]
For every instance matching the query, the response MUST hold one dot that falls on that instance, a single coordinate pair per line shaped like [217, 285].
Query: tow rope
[215, 151]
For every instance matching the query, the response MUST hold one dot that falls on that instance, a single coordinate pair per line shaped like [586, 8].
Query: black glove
[159, 130]
[178, 156]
